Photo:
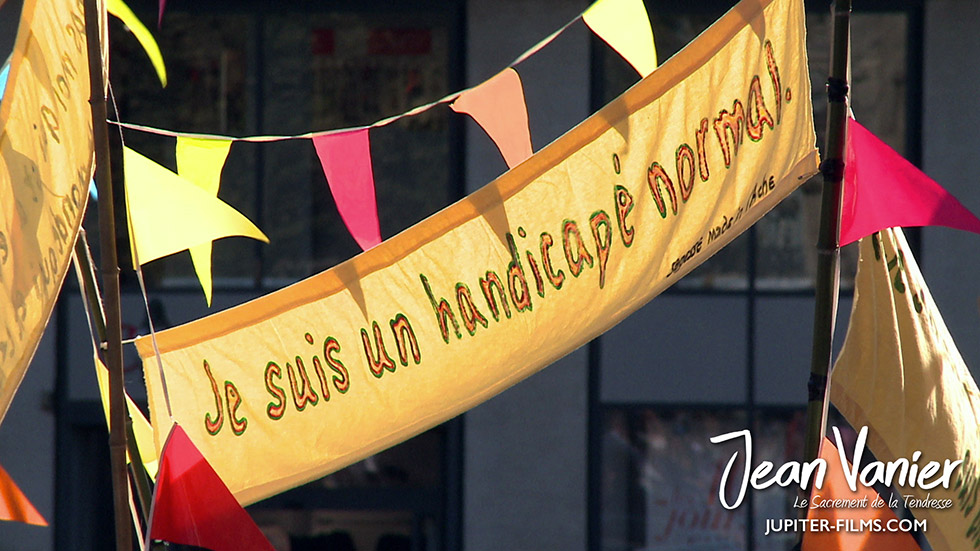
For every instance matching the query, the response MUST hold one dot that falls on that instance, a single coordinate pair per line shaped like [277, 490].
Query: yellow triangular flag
[126, 15]
[168, 214]
[625, 25]
[141, 427]
[200, 161]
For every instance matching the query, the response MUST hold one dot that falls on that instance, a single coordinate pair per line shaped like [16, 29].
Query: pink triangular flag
[192, 506]
[163, 4]
[498, 106]
[883, 190]
[346, 161]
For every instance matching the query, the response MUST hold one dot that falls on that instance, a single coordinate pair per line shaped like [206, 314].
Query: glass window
[777, 437]
[785, 238]
[661, 478]
[291, 73]
[658, 475]
[389, 501]
[326, 71]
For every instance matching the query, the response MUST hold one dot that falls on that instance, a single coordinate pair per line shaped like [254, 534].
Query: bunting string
[154, 193]
[635, 54]
[142, 428]
[139, 277]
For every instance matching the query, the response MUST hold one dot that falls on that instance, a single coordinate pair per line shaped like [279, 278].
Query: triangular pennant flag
[141, 427]
[14, 505]
[883, 190]
[200, 161]
[192, 506]
[625, 25]
[163, 4]
[346, 161]
[168, 214]
[899, 373]
[143, 36]
[498, 106]
[851, 528]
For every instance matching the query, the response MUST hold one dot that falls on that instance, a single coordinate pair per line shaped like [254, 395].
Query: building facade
[608, 448]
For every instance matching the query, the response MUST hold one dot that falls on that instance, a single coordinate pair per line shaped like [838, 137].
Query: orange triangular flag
[498, 106]
[845, 531]
[14, 505]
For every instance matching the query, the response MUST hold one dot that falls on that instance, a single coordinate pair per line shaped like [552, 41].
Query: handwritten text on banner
[479, 296]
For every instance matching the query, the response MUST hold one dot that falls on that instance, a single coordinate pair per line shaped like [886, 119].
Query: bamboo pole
[87, 274]
[110, 281]
[89, 288]
[828, 241]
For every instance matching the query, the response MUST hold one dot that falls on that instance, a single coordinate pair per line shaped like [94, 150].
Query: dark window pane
[786, 237]
[207, 92]
[329, 71]
[660, 478]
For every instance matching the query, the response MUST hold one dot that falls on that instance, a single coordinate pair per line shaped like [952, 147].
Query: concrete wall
[951, 155]
[525, 451]
[27, 448]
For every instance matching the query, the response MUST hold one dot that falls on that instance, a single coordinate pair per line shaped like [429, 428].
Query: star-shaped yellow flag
[169, 212]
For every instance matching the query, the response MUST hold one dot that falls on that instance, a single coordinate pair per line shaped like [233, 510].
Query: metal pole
[110, 282]
[828, 241]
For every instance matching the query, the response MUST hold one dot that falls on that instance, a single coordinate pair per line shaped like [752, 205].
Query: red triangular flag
[14, 505]
[346, 162]
[163, 4]
[498, 106]
[192, 506]
[844, 531]
[883, 190]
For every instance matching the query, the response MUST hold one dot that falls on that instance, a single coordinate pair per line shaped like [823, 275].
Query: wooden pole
[828, 241]
[110, 282]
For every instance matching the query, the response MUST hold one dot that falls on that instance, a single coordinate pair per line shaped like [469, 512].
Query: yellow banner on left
[46, 164]
[493, 288]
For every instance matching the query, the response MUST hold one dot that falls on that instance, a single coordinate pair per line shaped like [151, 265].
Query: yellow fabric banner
[900, 374]
[468, 302]
[45, 168]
